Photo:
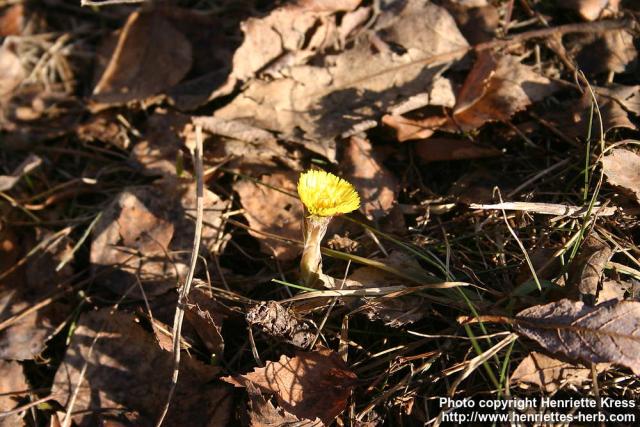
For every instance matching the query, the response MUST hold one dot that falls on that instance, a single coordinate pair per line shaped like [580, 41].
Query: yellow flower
[324, 194]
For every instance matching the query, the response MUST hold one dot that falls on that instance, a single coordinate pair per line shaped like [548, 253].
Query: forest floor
[493, 261]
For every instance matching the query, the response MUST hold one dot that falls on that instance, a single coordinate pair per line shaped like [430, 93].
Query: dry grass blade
[186, 287]
[547, 208]
[477, 361]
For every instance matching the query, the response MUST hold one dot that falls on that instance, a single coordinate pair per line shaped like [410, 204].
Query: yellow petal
[324, 194]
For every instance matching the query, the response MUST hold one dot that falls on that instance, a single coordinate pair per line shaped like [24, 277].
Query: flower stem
[315, 227]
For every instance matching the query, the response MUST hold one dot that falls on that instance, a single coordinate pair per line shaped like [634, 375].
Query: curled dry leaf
[341, 90]
[310, 385]
[593, 9]
[587, 268]
[272, 211]
[495, 89]
[150, 56]
[148, 232]
[113, 363]
[12, 380]
[280, 322]
[606, 333]
[622, 169]
[376, 185]
[550, 374]
[206, 316]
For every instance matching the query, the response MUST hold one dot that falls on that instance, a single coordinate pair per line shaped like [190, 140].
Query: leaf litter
[105, 104]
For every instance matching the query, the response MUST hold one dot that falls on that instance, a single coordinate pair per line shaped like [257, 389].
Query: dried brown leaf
[287, 36]
[587, 268]
[612, 290]
[271, 211]
[476, 22]
[572, 118]
[151, 56]
[280, 322]
[376, 185]
[25, 338]
[148, 232]
[611, 51]
[12, 380]
[106, 128]
[593, 9]
[627, 96]
[127, 373]
[243, 148]
[159, 150]
[263, 413]
[446, 149]
[344, 89]
[622, 169]
[550, 374]
[606, 333]
[495, 89]
[310, 385]
[207, 321]
[409, 129]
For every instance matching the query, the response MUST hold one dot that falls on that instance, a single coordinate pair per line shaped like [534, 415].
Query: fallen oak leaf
[309, 385]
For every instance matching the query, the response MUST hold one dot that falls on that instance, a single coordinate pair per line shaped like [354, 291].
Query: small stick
[184, 292]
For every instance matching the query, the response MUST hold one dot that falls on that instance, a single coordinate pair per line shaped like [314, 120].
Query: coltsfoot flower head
[324, 194]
